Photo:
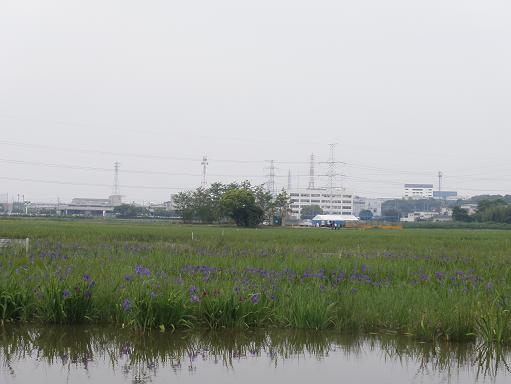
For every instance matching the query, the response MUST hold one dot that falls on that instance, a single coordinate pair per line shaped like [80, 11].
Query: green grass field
[432, 284]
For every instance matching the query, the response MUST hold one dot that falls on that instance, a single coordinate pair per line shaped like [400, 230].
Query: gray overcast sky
[406, 88]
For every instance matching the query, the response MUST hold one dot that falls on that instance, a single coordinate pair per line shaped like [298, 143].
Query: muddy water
[107, 355]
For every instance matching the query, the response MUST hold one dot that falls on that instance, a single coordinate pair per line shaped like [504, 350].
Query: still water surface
[107, 355]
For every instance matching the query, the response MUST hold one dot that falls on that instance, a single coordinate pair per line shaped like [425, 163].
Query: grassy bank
[432, 284]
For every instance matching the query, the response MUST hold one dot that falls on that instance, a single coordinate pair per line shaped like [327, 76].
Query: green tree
[128, 211]
[406, 206]
[203, 206]
[281, 203]
[309, 211]
[391, 214]
[264, 200]
[460, 214]
[239, 204]
[183, 201]
[365, 214]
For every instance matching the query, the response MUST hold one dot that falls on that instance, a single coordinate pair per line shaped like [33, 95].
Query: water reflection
[141, 357]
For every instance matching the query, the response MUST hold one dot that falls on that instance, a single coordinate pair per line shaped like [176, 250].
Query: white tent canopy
[335, 218]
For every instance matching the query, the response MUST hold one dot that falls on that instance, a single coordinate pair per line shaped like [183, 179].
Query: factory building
[90, 206]
[418, 191]
[445, 195]
[339, 202]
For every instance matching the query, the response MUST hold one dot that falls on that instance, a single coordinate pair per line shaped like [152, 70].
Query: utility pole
[115, 189]
[204, 164]
[311, 172]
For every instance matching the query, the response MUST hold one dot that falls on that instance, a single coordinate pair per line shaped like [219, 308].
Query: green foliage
[205, 205]
[460, 214]
[391, 214]
[239, 205]
[495, 210]
[366, 214]
[479, 198]
[498, 211]
[183, 201]
[129, 211]
[309, 211]
[405, 206]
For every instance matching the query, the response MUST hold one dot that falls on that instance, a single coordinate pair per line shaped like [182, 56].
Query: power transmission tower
[270, 184]
[115, 189]
[311, 172]
[332, 173]
[204, 164]
[289, 184]
[440, 175]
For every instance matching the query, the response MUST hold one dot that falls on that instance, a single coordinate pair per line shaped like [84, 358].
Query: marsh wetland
[110, 298]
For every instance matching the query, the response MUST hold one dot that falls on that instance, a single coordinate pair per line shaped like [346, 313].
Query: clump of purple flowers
[126, 305]
[140, 270]
[194, 298]
[254, 298]
[66, 293]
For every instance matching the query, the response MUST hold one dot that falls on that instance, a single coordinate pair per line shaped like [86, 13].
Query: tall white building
[418, 191]
[339, 202]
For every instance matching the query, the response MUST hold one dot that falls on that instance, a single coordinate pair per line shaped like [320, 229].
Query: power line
[134, 154]
[235, 161]
[85, 184]
[99, 169]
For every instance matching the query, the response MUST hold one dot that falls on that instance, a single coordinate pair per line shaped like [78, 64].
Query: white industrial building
[339, 202]
[418, 191]
[90, 206]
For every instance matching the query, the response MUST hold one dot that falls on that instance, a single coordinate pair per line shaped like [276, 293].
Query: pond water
[109, 355]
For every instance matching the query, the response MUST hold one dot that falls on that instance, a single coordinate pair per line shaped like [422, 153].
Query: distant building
[336, 203]
[419, 216]
[365, 204]
[90, 206]
[418, 191]
[470, 208]
[445, 214]
[445, 195]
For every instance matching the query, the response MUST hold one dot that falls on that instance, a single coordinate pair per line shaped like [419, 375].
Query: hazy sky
[406, 88]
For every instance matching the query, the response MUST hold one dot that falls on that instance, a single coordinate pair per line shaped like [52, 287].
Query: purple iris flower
[193, 289]
[194, 298]
[254, 298]
[126, 305]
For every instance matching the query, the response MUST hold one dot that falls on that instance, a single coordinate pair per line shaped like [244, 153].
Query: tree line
[488, 210]
[241, 203]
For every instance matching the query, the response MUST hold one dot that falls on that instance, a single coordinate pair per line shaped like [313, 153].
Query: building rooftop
[418, 185]
[88, 201]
